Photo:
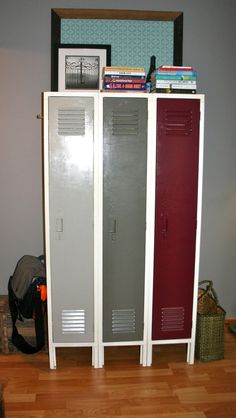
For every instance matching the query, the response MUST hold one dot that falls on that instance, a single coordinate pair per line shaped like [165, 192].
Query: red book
[174, 68]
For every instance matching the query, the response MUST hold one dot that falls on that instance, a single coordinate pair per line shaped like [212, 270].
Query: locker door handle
[113, 230]
[59, 228]
[164, 225]
[59, 224]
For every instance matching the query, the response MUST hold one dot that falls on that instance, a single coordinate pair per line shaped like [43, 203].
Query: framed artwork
[80, 66]
[82, 23]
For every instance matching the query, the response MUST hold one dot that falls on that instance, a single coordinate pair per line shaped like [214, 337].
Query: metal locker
[124, 217]
[179, 165]
[69, 213]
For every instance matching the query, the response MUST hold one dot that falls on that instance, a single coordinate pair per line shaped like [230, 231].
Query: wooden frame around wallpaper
[59, 14]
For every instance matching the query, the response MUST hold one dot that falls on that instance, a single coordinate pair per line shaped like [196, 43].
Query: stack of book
[124, 78]
[173, 79]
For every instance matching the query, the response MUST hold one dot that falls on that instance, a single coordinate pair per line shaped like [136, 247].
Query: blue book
[161, 76]
[177, 72]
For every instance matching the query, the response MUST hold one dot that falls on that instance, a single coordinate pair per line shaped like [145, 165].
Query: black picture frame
[79, 66]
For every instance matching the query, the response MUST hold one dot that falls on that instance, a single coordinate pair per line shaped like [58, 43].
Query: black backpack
[27, 299]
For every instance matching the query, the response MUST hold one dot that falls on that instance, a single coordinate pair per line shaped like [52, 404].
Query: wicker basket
[207, 298]
[210, 331]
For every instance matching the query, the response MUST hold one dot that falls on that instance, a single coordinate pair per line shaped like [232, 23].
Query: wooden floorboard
[168, 389]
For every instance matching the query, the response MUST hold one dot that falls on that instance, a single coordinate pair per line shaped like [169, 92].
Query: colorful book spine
[122, 79]
[184, 86]
[171, 76]
[120, 68]
[134, 71]
[124, 86]
[177, 72]
[124, 73]
[175, 68]
[179, 82]
[176, 86]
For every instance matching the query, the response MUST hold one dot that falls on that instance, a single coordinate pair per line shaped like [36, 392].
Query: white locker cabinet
[69, 221]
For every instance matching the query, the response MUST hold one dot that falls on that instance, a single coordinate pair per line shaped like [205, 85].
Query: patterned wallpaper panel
[132, 41]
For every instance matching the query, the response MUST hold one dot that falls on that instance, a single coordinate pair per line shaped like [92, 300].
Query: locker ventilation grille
[172, 319]
[73, 321]
[125, 123]
[123, 321]
[178, 122]
[71, 121]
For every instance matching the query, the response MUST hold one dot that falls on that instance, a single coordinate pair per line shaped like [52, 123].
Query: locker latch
[59, 228]
[164, 225]
[113, 230]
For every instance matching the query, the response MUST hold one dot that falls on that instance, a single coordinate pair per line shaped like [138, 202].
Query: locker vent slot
[123, 321]
[125, 123]
[71, 121]
[73, 321]
[178, 122]
[172, 319]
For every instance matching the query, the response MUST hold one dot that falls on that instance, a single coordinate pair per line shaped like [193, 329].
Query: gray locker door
[124, 217]
[71, 132]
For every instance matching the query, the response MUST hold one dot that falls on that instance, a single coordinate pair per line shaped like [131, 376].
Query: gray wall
[25, 33]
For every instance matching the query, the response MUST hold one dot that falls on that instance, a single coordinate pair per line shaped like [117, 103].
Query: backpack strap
[17, 339]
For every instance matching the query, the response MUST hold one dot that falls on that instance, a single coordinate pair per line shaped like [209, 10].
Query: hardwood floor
[168, 389]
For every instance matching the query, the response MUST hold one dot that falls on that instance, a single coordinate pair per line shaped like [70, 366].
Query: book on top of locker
[175, 70]
[135, 71]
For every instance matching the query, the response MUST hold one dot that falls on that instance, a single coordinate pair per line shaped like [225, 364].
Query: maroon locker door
[175, 217]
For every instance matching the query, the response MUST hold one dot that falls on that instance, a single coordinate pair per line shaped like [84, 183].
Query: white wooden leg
[52, 357]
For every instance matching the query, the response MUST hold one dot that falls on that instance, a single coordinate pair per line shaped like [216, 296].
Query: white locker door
[71, 211]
